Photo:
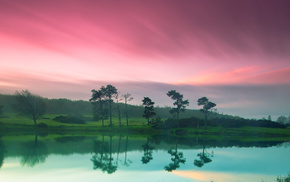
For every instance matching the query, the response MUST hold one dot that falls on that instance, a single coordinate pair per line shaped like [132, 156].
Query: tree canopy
[179, 103]
[207, 107]
[149, 108]
[30, 105]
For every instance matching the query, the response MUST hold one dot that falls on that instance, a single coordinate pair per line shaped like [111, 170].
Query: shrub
[42, 125]
[70, 119]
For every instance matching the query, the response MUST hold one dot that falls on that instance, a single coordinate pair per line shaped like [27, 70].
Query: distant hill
[66, 106]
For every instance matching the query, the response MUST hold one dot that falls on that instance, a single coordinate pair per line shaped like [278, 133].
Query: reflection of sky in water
[228, 164]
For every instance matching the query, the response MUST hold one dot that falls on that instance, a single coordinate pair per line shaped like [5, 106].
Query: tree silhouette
[1, 110]
[149, 108]
[34, 153]
[118, 108]
[179, 103]
[207, 107]
[32, 106]
[147, 157]
[110, 91]
[100, 111]
[127, 98]
[176, 158]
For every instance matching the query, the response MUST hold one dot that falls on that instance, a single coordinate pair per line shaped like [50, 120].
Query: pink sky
[65, 48]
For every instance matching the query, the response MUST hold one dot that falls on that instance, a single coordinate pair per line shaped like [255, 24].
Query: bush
[70, 119]
[42, 125]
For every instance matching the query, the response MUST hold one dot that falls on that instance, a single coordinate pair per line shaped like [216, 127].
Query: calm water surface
[122, 158]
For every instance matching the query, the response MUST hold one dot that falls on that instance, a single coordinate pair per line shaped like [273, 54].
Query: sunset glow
[66, 48]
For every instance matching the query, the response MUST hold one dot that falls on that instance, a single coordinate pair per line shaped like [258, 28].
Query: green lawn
[137, 126]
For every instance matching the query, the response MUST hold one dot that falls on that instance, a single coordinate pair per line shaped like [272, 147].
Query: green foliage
[149, 108]
[42, 125]
[100, 106]
[1, 110]
[207, 107]
[70, 119]
[30, 105]
[101, 97]
[179, 102]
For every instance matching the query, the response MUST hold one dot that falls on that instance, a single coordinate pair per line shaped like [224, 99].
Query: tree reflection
[2, 150]
[204, 157]
[127, 162]
[103, 158]
[147, 157]
[34, 153]
[176, 158]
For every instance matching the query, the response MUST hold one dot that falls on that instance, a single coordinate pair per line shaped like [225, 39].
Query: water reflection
[2, 151]
[33, 153]
[108, 154]
[176, 158]
[147, 157]
[204, 156]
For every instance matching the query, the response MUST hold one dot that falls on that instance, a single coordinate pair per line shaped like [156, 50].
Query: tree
[118, 108]
[179, 103]
[100, 111]
[149, 108]
[1, 110]
[30, 105]
[127, 98]
[110, 91]
[207, 107]
[282, 119]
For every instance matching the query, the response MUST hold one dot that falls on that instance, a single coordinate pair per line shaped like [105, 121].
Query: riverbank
[216, 133]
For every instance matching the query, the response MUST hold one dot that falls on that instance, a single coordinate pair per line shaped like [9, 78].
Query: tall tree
[207, 107]
[1, 110]
[30, 105]
[149, 108]
[99, 103]
[110, 91]
[127, 98]
[179, 103]
[118, 108]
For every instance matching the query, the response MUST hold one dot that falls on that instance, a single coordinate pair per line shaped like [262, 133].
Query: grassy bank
[15, 125]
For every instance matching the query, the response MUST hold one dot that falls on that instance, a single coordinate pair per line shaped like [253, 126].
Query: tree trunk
[102, 113]
[35, 123]
[111, 124]
[126, 114]
[205, 118]
[119, 114]
[177, 120]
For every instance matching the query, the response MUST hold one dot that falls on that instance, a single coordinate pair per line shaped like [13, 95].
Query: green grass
[138, 126]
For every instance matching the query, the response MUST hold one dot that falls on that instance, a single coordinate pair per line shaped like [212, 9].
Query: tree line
[102, 100]
[34, 107]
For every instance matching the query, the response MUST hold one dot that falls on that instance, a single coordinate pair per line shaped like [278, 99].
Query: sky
[236, 53]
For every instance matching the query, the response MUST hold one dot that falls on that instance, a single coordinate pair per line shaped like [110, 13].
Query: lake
[59, 158]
